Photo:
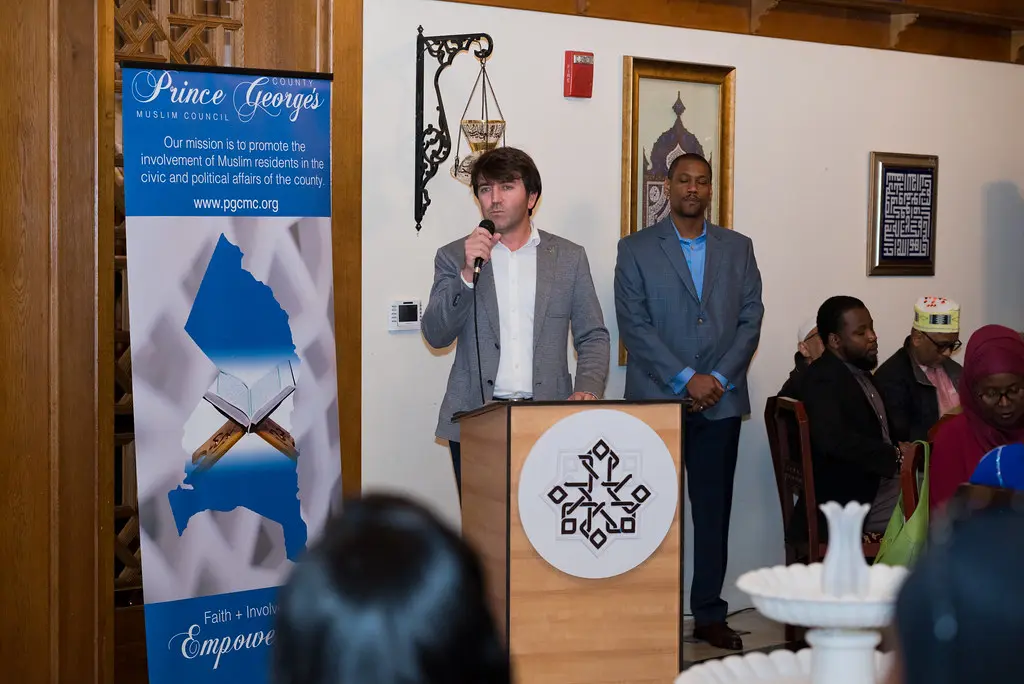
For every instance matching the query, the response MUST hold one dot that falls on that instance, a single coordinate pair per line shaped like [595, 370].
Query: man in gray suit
[688, 303]
[532, 288]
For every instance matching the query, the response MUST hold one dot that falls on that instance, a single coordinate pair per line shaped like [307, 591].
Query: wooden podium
[562, 628]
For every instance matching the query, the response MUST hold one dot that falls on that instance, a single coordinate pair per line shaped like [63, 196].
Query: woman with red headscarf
[992, 395]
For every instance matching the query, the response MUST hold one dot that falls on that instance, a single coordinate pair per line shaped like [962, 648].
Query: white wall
[807, 117]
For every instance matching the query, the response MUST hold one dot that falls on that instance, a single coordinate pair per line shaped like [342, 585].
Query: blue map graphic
[237, 322]
[235, 318]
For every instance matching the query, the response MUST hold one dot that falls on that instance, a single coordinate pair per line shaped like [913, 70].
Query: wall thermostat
[405, 315]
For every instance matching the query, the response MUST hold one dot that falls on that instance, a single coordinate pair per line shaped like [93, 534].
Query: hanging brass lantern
[481, 134]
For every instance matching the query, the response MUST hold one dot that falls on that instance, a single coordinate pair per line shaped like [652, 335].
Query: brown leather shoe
[719, 635]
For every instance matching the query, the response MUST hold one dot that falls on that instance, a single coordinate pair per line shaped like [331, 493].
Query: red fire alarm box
[579, 74]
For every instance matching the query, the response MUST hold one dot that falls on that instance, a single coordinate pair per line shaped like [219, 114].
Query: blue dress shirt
[694, 250]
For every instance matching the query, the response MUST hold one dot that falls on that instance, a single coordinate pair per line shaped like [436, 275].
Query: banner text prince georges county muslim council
[228, 144]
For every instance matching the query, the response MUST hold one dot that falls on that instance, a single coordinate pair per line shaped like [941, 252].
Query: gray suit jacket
[666, 328]
[565, 297]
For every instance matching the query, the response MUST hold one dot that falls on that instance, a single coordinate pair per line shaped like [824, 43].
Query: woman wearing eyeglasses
[992, 397]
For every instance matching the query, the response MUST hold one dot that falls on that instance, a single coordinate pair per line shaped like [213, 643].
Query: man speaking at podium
[688, 303]
[533, 286]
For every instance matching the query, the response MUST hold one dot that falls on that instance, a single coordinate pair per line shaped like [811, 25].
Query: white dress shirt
[515, 285]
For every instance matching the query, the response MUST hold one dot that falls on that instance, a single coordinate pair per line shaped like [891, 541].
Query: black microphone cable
[487, 225]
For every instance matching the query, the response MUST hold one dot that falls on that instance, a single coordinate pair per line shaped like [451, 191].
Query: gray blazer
[666, 328]
[565, 297]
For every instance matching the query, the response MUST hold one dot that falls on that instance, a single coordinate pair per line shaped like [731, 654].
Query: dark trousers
[710, 450]
[456, 449]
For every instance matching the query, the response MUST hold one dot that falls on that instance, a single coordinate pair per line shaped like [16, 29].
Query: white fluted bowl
[777, 667]
[792, 595]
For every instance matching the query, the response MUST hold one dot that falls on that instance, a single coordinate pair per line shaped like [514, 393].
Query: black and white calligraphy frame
[901, 223]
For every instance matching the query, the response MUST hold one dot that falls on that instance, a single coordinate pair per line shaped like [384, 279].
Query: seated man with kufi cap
[808, 348]
[919, 382]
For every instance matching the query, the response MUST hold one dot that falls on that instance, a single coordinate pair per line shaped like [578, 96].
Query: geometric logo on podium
[601, 498]
[598, 493]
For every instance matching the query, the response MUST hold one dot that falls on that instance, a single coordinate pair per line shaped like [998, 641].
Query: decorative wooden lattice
[180, 31]
[207, 32]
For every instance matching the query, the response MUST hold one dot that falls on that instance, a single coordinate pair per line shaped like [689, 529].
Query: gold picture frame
[637, 119]
[656, 127]
[904, 192]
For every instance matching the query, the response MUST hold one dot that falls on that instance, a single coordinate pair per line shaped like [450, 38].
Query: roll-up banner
[227, 177]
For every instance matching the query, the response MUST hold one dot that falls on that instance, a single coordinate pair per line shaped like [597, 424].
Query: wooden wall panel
[723, 15]
[727, 15]
[347, 209]
[827, 25]
[942, 38]
[974, 29]
[131, 666]
[25, 478]
[281, 34]
[81, 339]
[55, 340]
[1006, 8]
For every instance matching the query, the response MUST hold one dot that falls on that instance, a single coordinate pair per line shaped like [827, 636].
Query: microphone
[488, 225]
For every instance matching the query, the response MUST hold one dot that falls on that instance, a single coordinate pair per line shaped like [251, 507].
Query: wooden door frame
[347, 229]
[56, 285]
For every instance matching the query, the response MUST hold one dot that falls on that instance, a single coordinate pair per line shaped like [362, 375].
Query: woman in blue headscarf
[1002, 467]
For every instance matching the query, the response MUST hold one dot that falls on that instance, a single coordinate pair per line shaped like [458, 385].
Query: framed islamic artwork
[901, 223]
[670, 109]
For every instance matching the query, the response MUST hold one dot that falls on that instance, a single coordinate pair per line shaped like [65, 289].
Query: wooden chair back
[789, 437]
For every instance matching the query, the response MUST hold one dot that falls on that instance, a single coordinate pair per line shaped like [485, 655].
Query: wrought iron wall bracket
[434, 143]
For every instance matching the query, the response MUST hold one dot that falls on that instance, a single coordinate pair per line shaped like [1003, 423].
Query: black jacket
[911, 400]
[791, 388]
[848, 452]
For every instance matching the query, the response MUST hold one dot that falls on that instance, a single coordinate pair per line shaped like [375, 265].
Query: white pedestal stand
[843, 656]
[843, 601]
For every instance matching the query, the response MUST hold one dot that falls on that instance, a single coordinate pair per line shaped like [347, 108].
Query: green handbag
[904, 538]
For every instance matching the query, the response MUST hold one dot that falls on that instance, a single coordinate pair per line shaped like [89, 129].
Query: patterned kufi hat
[937, 315]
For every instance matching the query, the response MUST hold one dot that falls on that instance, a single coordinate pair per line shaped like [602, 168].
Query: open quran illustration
[248, 410]
[232, 397]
